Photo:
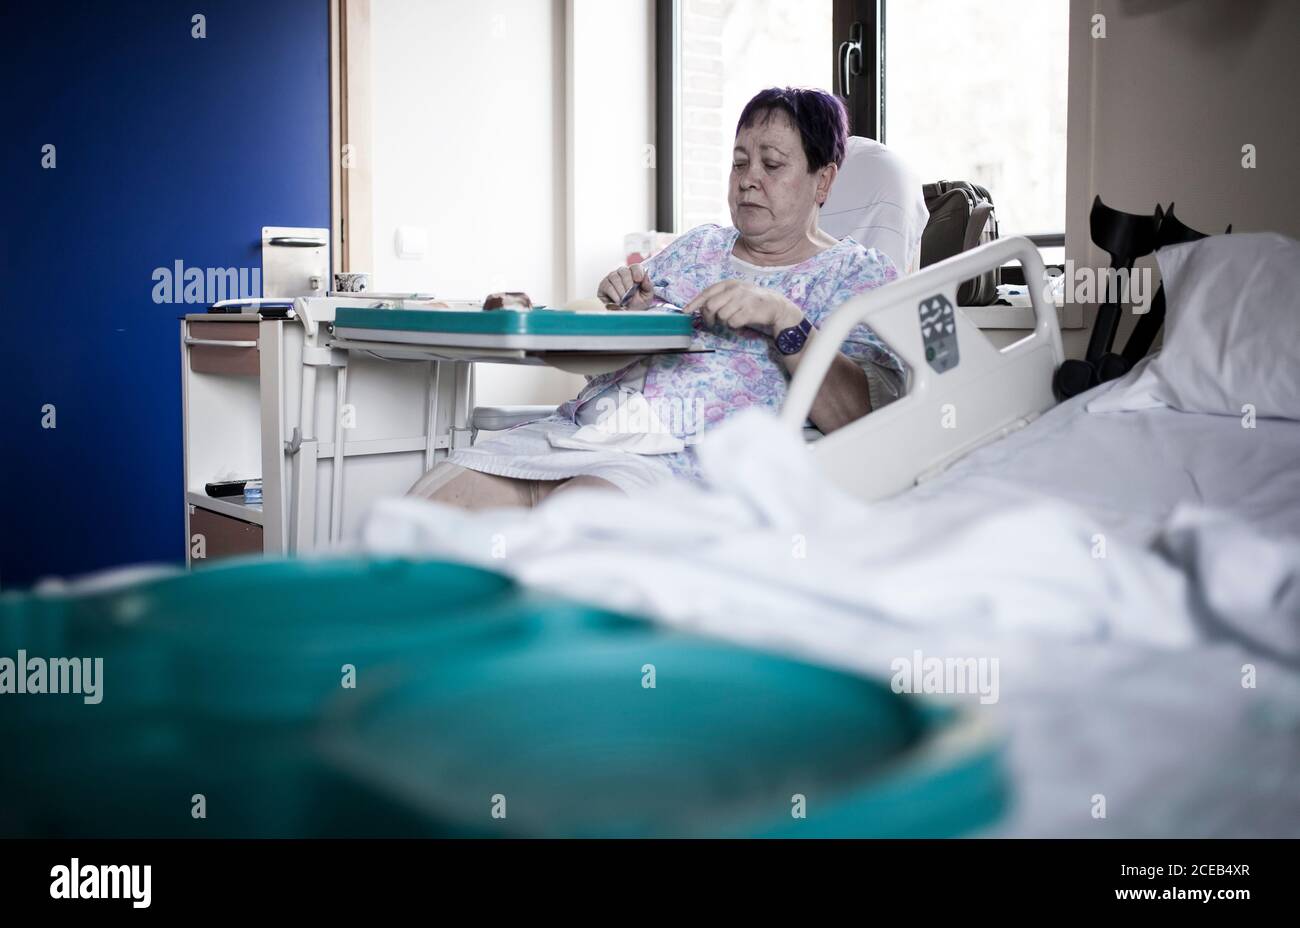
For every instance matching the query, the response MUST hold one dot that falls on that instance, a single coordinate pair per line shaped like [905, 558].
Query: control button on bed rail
[939, 332]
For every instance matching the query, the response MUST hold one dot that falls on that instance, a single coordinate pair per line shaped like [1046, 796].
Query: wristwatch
[791, 340]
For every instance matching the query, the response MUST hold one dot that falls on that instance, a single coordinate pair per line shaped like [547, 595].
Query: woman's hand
[620, 280]
[739, 304]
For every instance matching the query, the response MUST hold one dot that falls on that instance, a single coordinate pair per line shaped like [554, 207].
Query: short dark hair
[820, 117]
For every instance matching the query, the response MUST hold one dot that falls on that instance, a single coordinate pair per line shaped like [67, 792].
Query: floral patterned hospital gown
[744, 368]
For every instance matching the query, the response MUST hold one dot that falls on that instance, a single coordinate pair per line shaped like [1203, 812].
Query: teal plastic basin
[269, 640]
[213, 683]
[557, 719]
[253, 638]
[227, 682]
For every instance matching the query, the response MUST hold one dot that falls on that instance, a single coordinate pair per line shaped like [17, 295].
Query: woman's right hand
[620, 280]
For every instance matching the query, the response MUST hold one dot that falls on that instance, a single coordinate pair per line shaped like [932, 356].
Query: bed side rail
[962, 392]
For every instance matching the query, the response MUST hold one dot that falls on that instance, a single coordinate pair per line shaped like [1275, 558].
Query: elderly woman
[758, 292]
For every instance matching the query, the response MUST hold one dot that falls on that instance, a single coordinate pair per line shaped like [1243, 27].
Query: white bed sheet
[1120, 676]
[1131, 470]
[1171, 737]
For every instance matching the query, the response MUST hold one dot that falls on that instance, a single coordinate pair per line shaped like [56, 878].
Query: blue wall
[168, 147]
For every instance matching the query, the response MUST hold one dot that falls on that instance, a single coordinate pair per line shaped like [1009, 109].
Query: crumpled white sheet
[1121, 675]
[1247, 586]
[775, 541]
[631, 426]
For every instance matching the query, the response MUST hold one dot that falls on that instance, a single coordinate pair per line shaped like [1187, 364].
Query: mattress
[1131, 470]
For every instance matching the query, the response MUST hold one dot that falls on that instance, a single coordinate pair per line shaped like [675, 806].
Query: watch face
[789, 341]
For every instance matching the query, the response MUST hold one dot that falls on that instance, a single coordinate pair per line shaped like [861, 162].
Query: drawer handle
[296, 241]
[219, 343]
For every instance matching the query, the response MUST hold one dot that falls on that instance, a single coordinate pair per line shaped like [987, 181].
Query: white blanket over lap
[777, 549]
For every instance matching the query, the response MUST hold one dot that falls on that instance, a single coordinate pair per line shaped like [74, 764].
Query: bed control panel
[938, 332]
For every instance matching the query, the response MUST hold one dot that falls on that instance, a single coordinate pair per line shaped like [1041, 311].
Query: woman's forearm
[843, 396]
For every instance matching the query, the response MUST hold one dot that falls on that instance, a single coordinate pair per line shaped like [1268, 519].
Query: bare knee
[470, 489]
[583, 482]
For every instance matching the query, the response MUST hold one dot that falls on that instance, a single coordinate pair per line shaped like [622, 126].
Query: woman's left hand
[739, 304]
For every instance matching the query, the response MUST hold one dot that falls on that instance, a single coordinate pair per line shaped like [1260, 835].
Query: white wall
[514, 133]
[468, 135]
[1161, 107]
[610, 84]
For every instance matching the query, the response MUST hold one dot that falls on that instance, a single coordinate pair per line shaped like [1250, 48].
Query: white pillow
[878, 201]
[1232, 331]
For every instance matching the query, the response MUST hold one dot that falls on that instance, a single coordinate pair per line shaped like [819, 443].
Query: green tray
[538, 321]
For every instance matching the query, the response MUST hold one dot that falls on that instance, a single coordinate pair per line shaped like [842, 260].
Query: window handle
[850, 58]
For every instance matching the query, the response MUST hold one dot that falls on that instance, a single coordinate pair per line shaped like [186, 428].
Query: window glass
[977, 92]
[729, 50]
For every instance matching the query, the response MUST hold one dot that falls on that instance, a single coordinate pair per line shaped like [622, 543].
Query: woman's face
[772, 195]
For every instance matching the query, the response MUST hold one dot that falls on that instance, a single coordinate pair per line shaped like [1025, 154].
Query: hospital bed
[1134, 575]
[1122, 712]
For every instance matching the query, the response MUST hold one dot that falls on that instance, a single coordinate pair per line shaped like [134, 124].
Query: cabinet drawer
[222, 347]
[222, 535]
